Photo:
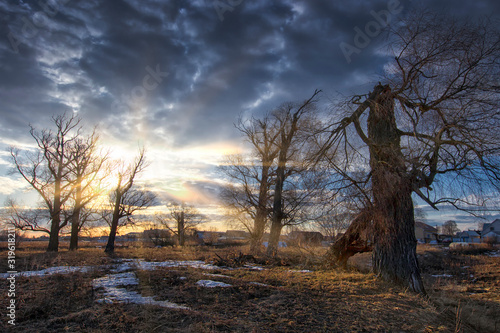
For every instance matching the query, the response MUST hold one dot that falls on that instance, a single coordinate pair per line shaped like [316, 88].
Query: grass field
[295, 293]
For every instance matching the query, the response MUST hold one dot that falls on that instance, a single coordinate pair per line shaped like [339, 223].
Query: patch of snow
[113, 280]
[211, 284]
[255, 268]
[123, 268]
[112, 293]
[217, 275]
[442, 275]
[150, 265]
[300, 271]
[259, 284]
[51, 270]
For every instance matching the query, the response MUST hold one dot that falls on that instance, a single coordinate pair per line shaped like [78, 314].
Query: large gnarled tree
[435, 119]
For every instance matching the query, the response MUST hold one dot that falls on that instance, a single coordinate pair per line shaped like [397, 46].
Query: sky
[174, 76]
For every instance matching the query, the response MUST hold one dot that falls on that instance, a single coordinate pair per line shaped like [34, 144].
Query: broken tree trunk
[355, 240]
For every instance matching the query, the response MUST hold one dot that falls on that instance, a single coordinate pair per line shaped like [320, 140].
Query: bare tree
[125, 199]
[294, 126]
[435, 118]
[274, 182]
[86, 164]
[181, 219]
[252, 177]
[47, 171]
[450, 228]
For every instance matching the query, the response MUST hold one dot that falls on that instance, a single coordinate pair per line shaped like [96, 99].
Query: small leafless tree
[450, 228]
[180, 220]
[125, 199]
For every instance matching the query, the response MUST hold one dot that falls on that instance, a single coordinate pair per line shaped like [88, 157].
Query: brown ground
[322, 301]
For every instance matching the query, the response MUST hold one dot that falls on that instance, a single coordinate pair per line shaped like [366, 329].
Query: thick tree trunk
[274, 239]
[54, 233]
[56, 218]
[73, 242]
[277, 220]
[110, 246]
[261, 214]
[181, 230]
[258, 232]
[394, 255]
[75, 219]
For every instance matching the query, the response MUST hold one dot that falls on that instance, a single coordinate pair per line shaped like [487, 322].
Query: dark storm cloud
[94, 57]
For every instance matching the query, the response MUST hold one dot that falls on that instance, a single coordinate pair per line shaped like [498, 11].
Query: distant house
[132, 237]
[237, 234]
[491, 232]
[469, 236]
[305, 238]
[159, 237]
[425, 233]
[209, 237]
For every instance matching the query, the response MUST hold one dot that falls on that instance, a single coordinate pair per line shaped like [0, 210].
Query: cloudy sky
[173, 76]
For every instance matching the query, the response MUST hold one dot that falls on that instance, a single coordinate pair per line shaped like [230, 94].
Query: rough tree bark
[75, 218]
[357, 238]
[181, 230]
[394, 253]
[276, 222]
[110, 246]
[261, 209]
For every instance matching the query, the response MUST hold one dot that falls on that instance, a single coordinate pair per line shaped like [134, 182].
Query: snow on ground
[113, 293]
[494, 254]
[150, 265]
[442, 275]
[300, 271]
[211, 284]
[255, 268]
[52, 270]
[122, 265]
[217, 275]
[259, 284]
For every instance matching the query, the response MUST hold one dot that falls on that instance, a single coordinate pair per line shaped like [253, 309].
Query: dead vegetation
[464, 295]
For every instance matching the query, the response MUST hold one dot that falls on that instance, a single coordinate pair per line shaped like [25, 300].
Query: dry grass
[321, 301]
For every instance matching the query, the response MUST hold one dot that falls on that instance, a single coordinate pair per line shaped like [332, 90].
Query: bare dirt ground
[296, 293]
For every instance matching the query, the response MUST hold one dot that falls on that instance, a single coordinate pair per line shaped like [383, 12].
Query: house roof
[469, 233]
[495, 224]
[426, 227]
